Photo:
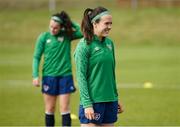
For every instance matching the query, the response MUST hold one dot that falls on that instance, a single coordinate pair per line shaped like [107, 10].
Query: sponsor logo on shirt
[61, 39]
[48, 41]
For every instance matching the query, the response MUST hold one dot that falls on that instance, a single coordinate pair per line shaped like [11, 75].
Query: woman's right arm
[38, 51]
[81, 60]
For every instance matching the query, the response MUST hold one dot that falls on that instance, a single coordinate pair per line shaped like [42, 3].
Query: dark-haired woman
[95, 70]
[57, 80]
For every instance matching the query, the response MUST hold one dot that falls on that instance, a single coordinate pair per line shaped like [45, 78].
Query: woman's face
[54, 27]
[102, 28]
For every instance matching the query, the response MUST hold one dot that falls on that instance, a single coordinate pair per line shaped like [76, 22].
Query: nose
[109, 26]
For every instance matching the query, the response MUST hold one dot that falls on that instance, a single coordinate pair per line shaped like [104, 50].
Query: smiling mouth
[107, 31]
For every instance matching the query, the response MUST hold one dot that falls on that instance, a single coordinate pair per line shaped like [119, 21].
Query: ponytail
[67, 24]
[86, 26]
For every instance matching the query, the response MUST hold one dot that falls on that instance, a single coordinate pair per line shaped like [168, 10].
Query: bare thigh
[64, 102]
[50, 103]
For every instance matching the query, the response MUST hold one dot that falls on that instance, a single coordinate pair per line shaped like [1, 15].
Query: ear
[94, 25]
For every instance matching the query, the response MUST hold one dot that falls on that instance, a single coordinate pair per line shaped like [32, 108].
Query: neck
[100, 37]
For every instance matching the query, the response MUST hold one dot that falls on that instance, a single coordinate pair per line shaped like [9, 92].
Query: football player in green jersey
[95, 70]
[57, 80]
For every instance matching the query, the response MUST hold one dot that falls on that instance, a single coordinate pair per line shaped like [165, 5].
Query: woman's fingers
[120, 108]
[90, 116]
[36, 82]
[89, 113]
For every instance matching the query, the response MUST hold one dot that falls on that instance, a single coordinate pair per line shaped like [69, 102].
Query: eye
[108, 23]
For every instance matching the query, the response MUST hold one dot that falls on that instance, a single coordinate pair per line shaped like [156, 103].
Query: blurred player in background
[57, 79]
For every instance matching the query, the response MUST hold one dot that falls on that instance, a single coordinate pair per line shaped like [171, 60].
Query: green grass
[147, 49]
[158, 64]
[150, 107]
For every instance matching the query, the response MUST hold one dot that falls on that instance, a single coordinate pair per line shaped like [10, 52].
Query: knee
[64, 108]
[50, 109]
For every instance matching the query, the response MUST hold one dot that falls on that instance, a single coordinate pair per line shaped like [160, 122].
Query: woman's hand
[120, 108]
[35, 82]
[89, 113]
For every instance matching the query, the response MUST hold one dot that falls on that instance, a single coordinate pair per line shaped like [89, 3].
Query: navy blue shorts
[58, 85]
[105, 113]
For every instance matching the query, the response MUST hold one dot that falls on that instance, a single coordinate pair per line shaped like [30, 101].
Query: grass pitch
[147, 50]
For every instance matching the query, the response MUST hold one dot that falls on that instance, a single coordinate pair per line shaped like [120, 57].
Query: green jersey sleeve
[114, 65]
[38, 51]
[81, 61]
[77, 31]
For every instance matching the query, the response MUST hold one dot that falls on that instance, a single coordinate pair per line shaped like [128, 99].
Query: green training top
[95, 71]
[57, 53]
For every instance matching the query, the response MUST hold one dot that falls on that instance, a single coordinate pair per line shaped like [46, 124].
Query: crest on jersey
[109, 46]
[61, 39]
